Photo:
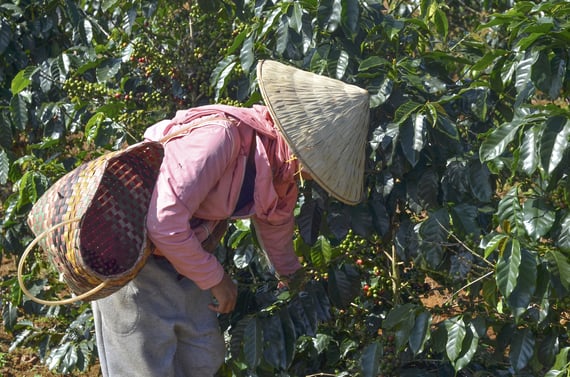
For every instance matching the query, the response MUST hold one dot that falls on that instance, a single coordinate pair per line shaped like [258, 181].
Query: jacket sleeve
[275, 229]
[191, 167]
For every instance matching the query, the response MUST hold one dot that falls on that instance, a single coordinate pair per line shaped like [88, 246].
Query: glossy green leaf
[441, 23]
[522, 348]
[420, 332]
[455, 335]
[563, 237]
[5, 35]
[529, 151]
[282, 35]
[559, 66]
[554, 142]
[309, 221]
[561, 366]
[497, 242]
[559, 267]
[497, 142]
[342, 64]
[329, 14]
[508, 268]
[321, 252]
[538, 217]
[220, 74]
[524, 71]
[4, 167]
[510, 213]
[465, 219]
[246, 55]
[19, 110]
[480, 182]
[469, 350]
[433, 233]
[349, 17]
[22, 80]
[107, 70]
[526, 285]
[295, 20]
[370, 360]
[343, 284]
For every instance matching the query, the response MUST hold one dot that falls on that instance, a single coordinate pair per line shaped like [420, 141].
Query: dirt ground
[25, 362]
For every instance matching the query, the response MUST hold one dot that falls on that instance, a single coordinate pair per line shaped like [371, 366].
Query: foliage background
[467, 175]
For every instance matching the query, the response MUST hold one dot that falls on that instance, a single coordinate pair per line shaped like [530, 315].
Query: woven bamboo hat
[91, 222]
[325, 123]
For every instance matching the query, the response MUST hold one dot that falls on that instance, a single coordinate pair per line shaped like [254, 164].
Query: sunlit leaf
[455, 335]
[538, 217]
[508, 268]
[496, 143]
[554, 142]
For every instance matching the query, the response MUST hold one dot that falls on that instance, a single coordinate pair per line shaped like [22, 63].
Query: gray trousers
[158, 325]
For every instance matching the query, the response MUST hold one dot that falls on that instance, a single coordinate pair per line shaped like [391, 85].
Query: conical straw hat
[325, 123]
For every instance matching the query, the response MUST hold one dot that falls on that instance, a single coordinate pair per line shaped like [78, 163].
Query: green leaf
[108, 69]
[554, 142]
[469, 348]
[522, 348]
[441, 23]
[433, 234]
[510, 213]
[480, 182]
[19, 111]
[496, 143]
[559, 267]
[526, 284]
[343, 284]
[420, 332]
[5, 35]
[524, 71]
[455, 335]
[508, 268]
[295, 20]
[465, 219]
[31, 186]
[282, 35]
[370, 360]
[4, 167]
[563, 238]
[538, 217]
[405, 111]
[342, 64]
[349, 17]
[23, 79]
[373, 62]
[528, 161]
[560, 367]
[497, 242]
[321, 252]
[246, 54]
[309, 221]
[329, 14]
[220, 74]
[559, 66]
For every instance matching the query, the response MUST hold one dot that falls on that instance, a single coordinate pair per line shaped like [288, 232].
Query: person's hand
[226, 295]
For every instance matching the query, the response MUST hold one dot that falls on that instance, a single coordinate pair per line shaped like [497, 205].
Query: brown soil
[25, 362]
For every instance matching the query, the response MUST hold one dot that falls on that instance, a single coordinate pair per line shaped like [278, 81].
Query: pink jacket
[201, 177]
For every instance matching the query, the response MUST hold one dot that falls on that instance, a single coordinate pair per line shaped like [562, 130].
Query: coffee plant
[456, 264]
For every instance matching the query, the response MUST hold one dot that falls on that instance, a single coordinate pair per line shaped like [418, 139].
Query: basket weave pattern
[109, 197]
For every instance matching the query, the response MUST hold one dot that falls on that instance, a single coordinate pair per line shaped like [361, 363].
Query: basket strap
[189, 127]
[23, 261]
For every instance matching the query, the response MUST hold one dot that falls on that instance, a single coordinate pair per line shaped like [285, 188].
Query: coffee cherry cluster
[390, 361]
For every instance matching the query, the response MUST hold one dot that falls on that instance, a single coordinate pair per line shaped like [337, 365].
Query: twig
[467, 286]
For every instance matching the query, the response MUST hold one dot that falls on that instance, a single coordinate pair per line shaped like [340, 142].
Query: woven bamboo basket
[91, 222]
